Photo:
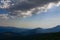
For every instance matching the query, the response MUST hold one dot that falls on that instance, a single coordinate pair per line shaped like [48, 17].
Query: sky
[30, 13]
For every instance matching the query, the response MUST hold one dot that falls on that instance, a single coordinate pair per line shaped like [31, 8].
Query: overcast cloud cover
[25, 8]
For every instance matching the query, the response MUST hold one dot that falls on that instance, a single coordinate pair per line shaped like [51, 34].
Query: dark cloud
[23, 8]
[29, 4]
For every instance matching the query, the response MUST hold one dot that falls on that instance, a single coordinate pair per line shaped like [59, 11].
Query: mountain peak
[58, 26]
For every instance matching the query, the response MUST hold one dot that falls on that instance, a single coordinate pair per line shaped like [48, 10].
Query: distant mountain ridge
[12, 33]
[49, 30]
[25, 31]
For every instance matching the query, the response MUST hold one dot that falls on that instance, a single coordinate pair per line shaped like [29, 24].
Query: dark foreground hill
[18, 36]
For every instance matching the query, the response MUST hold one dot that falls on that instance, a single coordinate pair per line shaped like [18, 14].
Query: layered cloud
[26, 8]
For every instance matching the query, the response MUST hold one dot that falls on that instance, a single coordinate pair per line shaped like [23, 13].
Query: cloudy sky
[30, 13]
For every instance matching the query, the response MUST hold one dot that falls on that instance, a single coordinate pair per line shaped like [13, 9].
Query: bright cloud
[5, 4]
[36, 10]
[23, 14]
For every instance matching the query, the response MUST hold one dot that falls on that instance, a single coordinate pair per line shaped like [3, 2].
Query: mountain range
[25, 31]
[13, 33]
